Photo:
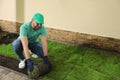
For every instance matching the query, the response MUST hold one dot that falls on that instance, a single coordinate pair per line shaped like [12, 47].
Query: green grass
[77, 63]
[6, 50]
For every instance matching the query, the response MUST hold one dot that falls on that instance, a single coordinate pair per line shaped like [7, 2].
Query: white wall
[97, 17]
[7, 10]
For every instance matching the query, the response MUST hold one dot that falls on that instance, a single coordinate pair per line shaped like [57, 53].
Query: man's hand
[30, 64]
[46, 61]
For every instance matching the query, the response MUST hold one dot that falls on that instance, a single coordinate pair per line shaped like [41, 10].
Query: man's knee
[14, 44]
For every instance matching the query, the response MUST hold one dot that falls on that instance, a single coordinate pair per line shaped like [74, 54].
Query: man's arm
[30, 64]
[24, 41]
[45, 50]
[44, 45]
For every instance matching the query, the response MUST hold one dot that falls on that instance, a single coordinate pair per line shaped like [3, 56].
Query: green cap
[39, 18]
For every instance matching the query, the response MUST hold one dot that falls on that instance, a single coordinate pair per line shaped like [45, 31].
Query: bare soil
[11, 63]
[6, 37]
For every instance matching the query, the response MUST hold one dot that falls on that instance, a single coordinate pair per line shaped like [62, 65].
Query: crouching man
[27, 40]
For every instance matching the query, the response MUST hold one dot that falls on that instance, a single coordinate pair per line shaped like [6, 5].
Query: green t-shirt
[32, 35]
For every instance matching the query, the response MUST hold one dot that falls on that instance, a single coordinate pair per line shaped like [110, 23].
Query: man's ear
[32, 19]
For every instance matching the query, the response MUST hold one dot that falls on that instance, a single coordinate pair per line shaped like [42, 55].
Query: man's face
[35, 25]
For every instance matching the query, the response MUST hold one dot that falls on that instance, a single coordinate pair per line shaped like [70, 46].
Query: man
[27, 40]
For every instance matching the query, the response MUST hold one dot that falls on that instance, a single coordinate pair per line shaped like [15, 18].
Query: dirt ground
[6, 38]
[11, 63]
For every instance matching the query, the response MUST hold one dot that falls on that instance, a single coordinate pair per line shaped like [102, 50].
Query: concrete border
[9, 74]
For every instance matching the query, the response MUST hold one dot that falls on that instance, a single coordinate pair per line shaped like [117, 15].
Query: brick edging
[81, 39]
[76, 38]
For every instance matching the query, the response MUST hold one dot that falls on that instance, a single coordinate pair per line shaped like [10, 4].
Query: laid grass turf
[77, 63]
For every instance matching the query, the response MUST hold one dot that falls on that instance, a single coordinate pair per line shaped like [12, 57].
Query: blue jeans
[35, 47]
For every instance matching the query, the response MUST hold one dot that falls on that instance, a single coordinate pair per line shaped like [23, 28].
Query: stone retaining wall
[76, 38]
[9, 26]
